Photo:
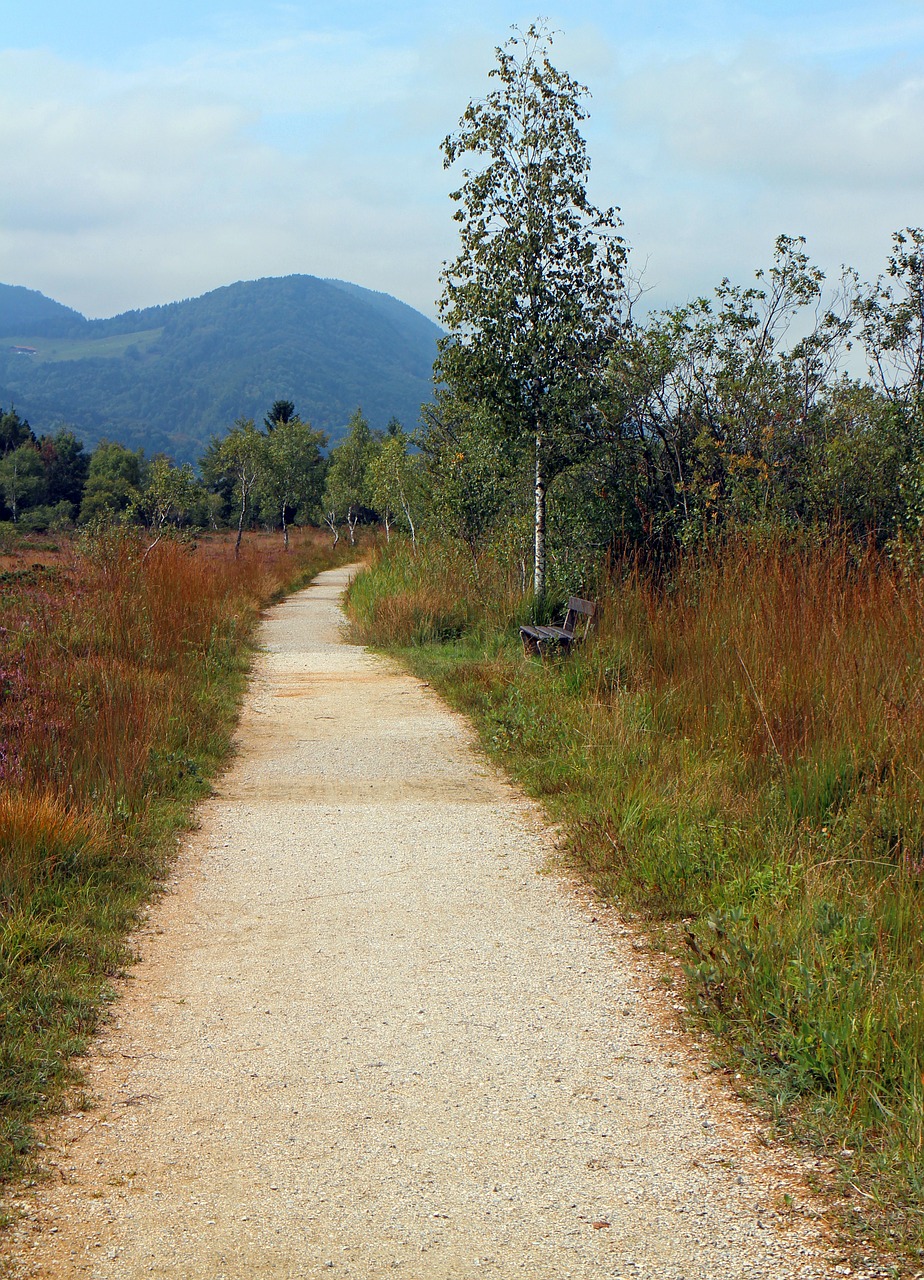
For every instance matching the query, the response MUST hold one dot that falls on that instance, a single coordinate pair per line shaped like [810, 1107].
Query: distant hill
[28, 311]
[168, 378]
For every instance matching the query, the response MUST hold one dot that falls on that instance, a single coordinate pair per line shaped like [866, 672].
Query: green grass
[112, 346]
[737, 757]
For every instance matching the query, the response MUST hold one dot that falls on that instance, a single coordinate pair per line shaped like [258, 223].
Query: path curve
[368, 1038]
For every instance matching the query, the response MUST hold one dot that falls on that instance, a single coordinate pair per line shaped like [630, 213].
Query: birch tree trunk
[539, 543]
[240, 527]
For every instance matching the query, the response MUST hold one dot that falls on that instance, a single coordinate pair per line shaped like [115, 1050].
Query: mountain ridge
[167, 378]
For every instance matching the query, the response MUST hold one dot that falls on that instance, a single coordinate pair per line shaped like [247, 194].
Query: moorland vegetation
[736, 755]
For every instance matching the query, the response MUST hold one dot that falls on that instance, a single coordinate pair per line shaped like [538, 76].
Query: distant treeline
[707, 417]
[272, 475]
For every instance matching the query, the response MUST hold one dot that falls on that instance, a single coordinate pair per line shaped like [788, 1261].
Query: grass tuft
[738, 757]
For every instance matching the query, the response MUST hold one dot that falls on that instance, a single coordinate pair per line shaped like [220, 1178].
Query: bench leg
[555, 649]
[530, 645]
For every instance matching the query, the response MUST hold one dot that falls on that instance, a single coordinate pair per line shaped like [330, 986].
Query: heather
[121, 665]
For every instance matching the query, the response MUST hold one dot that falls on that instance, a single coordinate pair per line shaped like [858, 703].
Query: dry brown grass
[120, 669]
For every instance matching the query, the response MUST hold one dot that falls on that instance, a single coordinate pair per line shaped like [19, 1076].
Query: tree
[170, 494]
[113, 483]
[242, 456]
[892, 314]
[394, 481]
[66, 466]
[218, 481]
[862, 473]
[533, 297]
[293, 474]
[346, 489]
[22, 478]
[14, 431]
[471, 472]
[42, 480]
[282, 411]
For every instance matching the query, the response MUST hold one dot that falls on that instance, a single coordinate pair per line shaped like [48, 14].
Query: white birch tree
[535, 293]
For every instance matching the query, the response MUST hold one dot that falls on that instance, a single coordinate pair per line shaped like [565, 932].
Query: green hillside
[28, 311]
[167, 378]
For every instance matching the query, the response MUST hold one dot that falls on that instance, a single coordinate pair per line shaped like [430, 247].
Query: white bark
[539, 542]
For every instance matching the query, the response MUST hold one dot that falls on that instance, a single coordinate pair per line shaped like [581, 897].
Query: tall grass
[738, 757]
[120, 674]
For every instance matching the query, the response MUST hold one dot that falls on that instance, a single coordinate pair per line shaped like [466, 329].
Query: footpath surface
[369, 1037]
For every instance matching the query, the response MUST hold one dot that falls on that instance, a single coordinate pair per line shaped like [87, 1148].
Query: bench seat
[538, 640]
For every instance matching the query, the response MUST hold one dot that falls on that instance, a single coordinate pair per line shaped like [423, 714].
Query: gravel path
[368, 1038]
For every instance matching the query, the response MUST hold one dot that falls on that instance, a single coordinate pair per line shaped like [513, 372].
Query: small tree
[282, 411]
[471, 472]
[346, 489]
[294, 472]
[332, 520]
[170, 494]
[14, 431]
[242, 455]
[114, 482]
[892, 315]
[22, 478]
[66, 466]
[394, 481]
[534, 294]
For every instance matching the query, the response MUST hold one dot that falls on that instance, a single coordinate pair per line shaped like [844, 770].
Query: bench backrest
[579, 608]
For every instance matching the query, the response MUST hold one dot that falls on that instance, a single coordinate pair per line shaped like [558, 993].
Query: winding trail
[367, 1038]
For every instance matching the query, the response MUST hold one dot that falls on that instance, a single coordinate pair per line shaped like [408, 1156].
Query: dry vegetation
[738, 755]
[120, 672]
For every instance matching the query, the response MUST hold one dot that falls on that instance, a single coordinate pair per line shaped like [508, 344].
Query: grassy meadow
[737, 757]
[121, 669]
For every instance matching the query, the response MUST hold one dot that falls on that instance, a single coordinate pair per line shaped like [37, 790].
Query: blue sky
[153, 153]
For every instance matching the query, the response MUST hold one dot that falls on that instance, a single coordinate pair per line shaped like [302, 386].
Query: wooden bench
[537, 641]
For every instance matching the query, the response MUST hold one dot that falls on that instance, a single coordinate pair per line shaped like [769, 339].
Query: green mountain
[26, 310]
[168, 378]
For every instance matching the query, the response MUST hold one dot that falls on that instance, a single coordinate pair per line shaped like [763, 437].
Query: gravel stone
[371, 1035]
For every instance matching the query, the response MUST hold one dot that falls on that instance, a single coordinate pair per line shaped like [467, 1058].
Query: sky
[151, 153]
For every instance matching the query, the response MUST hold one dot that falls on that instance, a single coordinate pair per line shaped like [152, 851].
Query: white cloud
[782, 121]
[284, 147]
[716, 156]
[124, 190]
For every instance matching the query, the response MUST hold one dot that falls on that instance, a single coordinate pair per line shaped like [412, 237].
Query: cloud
[717, 155]
[123, 189]
[779, 121]
[295, 145]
